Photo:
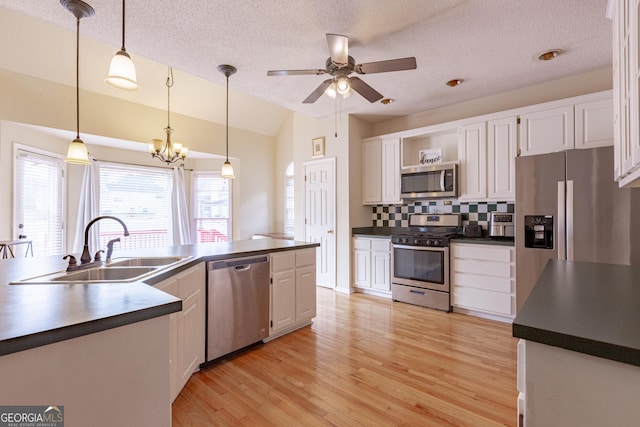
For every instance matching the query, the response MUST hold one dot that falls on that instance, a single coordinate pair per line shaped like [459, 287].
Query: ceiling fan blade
[365, 90]
[295, 72]
[386, 66]
[339, 48]
[318, 92]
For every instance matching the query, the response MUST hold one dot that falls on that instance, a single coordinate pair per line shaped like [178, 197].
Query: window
[212, 207]
[139, 196]
[39, 200]
[288, 201]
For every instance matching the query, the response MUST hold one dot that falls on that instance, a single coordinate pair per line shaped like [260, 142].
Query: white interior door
[320, 202]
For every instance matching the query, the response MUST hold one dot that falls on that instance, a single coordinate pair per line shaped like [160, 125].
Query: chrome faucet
[86, 255]
[110, 248]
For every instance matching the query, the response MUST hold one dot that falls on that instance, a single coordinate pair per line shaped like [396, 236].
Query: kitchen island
[101, 350]
[579, 355]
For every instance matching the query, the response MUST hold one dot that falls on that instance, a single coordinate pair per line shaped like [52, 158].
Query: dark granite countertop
[388, 231]
[586, 307]
[34, 315]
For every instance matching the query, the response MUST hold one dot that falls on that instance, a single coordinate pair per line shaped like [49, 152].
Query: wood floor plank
[364, 361]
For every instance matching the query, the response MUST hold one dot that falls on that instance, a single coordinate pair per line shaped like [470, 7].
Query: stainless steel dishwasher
[237, 304]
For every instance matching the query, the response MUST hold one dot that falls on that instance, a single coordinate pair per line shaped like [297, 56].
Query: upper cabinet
[502, 149]
[626, 83]
[580, 122]
[472, 153]
[381, 171]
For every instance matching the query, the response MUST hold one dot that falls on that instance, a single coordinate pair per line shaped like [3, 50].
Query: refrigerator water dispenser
[538, 231]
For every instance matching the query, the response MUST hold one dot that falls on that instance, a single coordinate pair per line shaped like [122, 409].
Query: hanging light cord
[77, 78]
[227, 74]
[123, 49]
[169, 86]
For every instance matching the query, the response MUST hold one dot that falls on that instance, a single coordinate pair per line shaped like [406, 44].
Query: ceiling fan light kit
[340, 66]
[77, 152]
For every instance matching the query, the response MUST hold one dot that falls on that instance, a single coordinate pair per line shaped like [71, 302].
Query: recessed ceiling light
[454, 82]
[388, 101]
[549, 55]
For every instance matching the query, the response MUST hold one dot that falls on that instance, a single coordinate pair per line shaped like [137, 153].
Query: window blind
[212, 207]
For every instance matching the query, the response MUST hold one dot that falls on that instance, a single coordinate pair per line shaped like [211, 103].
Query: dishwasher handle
[239, 264]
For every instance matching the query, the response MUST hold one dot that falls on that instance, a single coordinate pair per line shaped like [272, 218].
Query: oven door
[422, 267]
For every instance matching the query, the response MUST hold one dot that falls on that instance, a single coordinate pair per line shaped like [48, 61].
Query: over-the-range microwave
[429, 182]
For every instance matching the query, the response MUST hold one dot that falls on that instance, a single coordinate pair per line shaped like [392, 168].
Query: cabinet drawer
[381, 245]
[489, 283]
[363, 244]
[487, 268]
[283, 261]
[480, 299]
[305, 257]
[482, 252]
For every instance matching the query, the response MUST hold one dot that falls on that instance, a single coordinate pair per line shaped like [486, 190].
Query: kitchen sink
[104, 274]
[144, 262]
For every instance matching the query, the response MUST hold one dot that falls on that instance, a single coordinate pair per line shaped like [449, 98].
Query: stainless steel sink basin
[104, 274]
[144, 262]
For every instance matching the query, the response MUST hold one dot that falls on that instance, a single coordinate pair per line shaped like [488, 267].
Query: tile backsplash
[472, 212]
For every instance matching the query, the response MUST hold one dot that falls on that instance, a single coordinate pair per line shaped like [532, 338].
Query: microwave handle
[442, 173]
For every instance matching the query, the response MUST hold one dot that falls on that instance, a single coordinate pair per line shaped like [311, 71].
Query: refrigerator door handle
[561, 236]
[569, 214]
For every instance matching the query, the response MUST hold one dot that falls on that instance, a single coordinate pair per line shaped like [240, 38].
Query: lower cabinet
[293, 290]
[372, 264]
[483, 279]
[187, 326]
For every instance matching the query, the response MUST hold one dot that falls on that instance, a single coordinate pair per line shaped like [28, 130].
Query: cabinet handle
[329, 231]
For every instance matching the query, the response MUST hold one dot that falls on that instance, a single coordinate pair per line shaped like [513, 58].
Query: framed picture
[317, 147]
[430, 157]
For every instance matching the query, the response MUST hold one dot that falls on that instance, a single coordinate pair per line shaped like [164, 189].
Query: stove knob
[428, 242]
[436, 242]
[405, 240]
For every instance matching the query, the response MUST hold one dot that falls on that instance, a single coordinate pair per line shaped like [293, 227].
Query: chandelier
[168, 152]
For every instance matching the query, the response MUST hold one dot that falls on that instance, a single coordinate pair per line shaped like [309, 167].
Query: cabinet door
[594, 124]
[391, 171]
[362, 273]
[170, 286]
[305, 293]
[546, 131]
[501, 162]
[283, 299]
[381, 271]
[472, 153]
[371, 172]
[191, 289]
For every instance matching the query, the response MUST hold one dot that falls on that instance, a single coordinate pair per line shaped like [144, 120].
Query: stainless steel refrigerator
[568, 206]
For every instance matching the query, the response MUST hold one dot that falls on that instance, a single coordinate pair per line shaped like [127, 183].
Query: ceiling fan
[340, 65]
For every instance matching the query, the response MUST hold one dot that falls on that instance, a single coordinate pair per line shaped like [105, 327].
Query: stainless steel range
[420, 260]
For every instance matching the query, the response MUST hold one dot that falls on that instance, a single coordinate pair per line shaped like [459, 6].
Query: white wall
[38, 102]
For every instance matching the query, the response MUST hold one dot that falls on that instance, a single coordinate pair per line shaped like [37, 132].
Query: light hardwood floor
[365, 361]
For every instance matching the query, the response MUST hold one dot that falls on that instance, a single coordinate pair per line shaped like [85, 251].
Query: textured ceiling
[491, 44]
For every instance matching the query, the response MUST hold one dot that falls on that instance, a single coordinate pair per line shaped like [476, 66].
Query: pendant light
[122, 72]
[227, 169]
[168, 152]
[77, 152]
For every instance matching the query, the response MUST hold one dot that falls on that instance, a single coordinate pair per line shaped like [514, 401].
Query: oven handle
[419, 248]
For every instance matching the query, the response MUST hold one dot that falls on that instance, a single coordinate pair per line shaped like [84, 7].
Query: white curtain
[89, 207]
[179, 212]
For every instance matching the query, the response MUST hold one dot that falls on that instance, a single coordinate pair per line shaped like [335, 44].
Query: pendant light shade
[122, 72]
[227, 169]
[77, 152]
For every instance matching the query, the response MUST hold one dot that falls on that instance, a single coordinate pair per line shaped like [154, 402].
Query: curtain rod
[144, 166]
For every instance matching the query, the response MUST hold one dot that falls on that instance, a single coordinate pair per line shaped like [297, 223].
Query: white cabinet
[594, 123]
[472, 154]
[187, 326]
[381, 171]
[626, 84]
[293, 290]
[372, 264]
[546, 130]
[483, 279]
[502, 146]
